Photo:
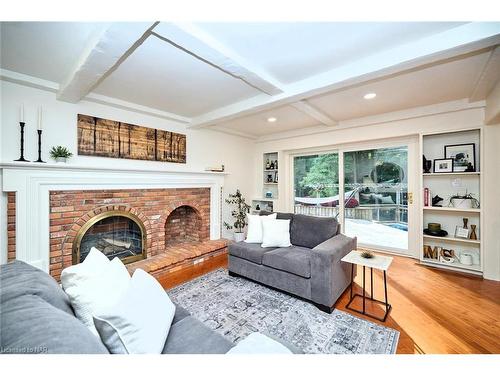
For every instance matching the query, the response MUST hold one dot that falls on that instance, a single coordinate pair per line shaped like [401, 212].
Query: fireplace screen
[115, 235]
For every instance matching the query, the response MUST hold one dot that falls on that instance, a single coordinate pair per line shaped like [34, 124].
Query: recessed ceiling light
[370, 95]
[272, 119]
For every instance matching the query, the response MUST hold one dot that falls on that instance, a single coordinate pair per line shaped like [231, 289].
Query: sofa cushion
[280, 215]
[310, 231]
[19, 278]
[249, 251]
[32, 325]
[190, 336]
[295, 259]
[180, 313]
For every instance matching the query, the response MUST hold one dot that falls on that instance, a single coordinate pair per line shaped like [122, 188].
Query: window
[316, 184]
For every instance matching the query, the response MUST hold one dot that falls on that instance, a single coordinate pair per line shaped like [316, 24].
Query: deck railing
[369, 212]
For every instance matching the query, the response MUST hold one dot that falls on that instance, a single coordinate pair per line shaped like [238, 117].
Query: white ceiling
[288, 118]
[46, 50]
[233, 76]
[292, 51]
[161, 76]
[436, 84]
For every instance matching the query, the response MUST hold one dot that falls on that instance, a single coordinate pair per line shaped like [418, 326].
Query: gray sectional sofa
[310, 269]
[36, 317]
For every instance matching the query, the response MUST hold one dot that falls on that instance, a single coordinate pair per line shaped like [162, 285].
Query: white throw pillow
[90, 291]
[94, 264]
[257, 343]
[140, 321]
[254, 233]
[276, 233]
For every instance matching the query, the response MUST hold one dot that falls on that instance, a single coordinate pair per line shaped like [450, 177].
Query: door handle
[410, 198]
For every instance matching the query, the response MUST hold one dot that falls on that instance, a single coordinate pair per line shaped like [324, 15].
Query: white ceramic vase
[239, 237]
[461, 203]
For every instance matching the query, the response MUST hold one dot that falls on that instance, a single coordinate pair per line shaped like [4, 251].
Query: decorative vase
[473, 235]
[466, 220]
[239, 237]
[61, 160]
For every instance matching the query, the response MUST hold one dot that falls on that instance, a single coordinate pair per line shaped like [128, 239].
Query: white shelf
[456, 265]
[451, 174]
[452, 239]
[270, 183]
[265, 199]
[452, 209]
[270, 170]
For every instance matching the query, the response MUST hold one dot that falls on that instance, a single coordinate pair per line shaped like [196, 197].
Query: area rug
[236, 307]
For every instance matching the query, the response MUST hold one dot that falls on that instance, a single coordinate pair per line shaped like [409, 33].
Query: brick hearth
[70, 210]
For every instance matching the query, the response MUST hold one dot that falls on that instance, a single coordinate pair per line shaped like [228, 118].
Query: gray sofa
[36, 317]
[310, 269]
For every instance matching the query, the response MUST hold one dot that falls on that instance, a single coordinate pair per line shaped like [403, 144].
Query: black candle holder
[22, 143]
[39, 131]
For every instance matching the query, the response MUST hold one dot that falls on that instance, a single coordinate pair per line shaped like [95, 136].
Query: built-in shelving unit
[446, 185]
[270, 191]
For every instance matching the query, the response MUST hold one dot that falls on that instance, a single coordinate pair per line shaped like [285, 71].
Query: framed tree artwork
[115, 139]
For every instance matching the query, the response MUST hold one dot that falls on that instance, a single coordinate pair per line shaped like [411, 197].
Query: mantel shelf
[79, 167]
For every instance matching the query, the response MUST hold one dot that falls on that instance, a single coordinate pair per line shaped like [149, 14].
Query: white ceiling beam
[104, 53]
[488, 77]
[193, 40]
[304, 107]
[429, 50]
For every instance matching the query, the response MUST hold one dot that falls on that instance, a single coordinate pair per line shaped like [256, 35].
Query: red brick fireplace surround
[183, 214]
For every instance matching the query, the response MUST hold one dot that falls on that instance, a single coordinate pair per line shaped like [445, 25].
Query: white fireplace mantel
[32, 184]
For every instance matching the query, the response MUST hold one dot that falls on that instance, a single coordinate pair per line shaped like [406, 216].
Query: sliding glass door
[374, 183]
[376, 211]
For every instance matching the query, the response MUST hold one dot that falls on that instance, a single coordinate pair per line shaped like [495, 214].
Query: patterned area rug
[236, 307]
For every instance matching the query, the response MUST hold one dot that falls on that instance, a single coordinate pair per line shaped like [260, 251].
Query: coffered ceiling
[232, 77]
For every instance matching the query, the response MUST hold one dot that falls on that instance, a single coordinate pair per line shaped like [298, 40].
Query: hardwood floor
[435, 311]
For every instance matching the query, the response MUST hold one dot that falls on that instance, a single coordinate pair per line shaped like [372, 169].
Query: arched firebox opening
[182, 225]
[115, 233]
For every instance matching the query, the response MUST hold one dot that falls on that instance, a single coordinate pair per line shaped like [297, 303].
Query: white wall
[354, 131]
[491, 202]
[204, 147]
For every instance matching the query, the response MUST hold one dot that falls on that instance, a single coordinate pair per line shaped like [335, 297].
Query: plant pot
[239, 237]
[61, 160]
[462, 203]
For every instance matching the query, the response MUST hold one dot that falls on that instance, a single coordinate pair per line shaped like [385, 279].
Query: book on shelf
[427, 197]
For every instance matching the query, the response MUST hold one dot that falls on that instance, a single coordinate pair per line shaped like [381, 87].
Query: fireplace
[115, 234]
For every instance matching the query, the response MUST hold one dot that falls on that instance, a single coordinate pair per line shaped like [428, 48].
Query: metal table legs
[363, 296]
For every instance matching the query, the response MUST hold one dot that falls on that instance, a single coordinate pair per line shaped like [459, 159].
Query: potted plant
[239, 214]
[465, 201]
[60, 154]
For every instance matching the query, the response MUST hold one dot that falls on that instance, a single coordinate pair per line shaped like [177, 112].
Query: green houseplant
[60, 154]
[239, 213]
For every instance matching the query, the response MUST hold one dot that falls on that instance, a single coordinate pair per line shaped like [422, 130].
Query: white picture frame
[461, 232]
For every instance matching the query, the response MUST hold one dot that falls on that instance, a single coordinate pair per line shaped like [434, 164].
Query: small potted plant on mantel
[60, 154]
[239, 214]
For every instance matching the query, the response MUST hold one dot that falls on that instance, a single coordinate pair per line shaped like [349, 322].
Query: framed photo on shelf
[461, 232]
[443, 165]
[463, 155]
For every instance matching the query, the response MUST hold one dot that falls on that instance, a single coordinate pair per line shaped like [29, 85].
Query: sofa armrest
[335, 248]
[329, 275]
